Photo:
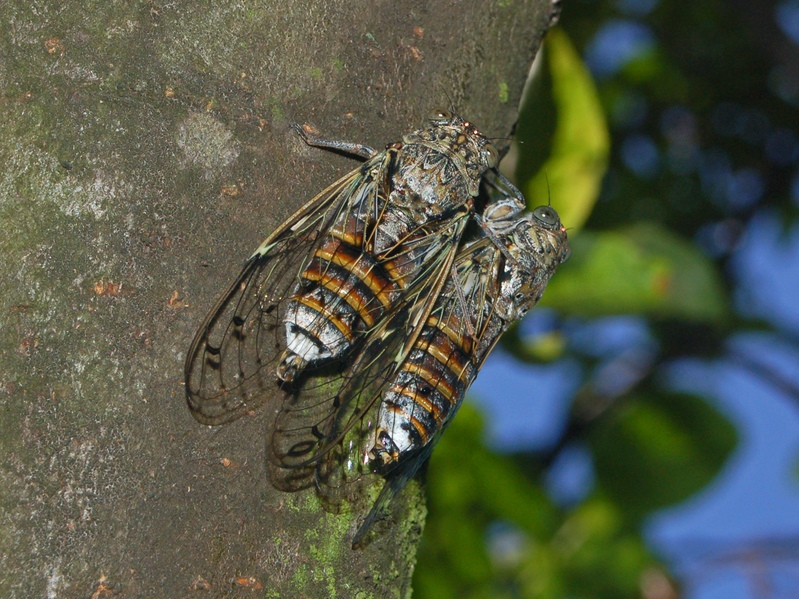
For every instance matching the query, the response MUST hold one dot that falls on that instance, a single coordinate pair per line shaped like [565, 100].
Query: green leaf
[585, 552]
[658, 450]
[578, 158]
[468, 488]
[597, 556]
[643, 269]
[463, 469]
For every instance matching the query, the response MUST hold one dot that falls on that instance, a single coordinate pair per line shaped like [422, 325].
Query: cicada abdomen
[496, 279]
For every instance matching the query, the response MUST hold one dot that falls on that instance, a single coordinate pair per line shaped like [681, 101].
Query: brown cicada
[334, 304]
[496, 279]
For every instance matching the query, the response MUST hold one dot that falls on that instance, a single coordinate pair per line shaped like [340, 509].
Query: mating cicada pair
[365, 317]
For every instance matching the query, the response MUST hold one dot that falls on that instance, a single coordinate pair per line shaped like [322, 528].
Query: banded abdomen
[426, 391]
[343, 291]
[430, 384]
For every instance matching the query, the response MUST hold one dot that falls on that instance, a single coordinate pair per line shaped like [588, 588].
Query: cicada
[365, 317]
[498, 274]
[319, 290]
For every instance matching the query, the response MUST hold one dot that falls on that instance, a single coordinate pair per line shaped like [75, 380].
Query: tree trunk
[147, 152]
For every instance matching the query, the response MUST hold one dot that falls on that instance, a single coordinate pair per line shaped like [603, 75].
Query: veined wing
[496, 279]
[230, 366]
[425, 391]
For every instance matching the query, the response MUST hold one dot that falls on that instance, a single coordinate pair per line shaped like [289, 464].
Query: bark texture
[147, 151]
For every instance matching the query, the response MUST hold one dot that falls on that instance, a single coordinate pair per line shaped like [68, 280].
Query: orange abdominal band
[339, 256]
[435, 381]
[448, 360]
[318, 307]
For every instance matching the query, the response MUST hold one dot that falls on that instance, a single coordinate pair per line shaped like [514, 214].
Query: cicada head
[551, 234]
[536, 246]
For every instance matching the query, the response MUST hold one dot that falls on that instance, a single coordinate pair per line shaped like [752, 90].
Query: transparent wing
[230, 366]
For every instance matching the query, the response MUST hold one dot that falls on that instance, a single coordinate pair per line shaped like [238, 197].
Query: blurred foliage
[642, 269]
[578, 154]
[493, 532]
[660, 449]
[656, 163]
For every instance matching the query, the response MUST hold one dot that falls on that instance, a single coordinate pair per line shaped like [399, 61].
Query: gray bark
[147, 151]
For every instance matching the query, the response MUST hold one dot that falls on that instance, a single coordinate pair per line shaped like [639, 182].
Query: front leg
[310, 137]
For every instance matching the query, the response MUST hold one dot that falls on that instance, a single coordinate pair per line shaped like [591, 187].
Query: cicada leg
[312, 139]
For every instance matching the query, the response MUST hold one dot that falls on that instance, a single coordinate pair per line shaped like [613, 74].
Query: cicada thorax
[381, 244]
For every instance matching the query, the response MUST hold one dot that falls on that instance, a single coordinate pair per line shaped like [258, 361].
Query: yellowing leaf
[581, 143]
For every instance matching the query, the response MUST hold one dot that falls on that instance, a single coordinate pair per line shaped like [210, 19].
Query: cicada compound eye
[439, 114]
[547, 215]
[492, 156]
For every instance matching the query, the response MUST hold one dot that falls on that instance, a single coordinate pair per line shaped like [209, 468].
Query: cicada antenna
[549, 191]
[449, 100]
